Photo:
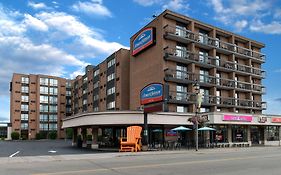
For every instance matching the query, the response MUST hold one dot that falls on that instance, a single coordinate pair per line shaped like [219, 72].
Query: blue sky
[60, 37]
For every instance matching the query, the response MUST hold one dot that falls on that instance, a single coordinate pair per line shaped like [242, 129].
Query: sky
[61, 37]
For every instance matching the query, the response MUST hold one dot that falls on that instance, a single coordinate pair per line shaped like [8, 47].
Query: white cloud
[147, 2]
[35, 23]
[37, 6]
[272, 28]
[277, 13]
[176, 5]
[95, 7]
[240, 25]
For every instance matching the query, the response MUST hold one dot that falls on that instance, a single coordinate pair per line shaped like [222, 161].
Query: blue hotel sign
[144, 39]
[151, 93]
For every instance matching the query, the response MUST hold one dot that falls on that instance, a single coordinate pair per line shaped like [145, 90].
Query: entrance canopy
[206, 129]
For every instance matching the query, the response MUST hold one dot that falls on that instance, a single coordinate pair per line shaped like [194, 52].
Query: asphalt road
[224, 161]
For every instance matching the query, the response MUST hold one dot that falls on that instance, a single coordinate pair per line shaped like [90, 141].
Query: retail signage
[171, 133]
[151, 93]
[262, 119]
[237, 118]
[144, 39]
[276, 120]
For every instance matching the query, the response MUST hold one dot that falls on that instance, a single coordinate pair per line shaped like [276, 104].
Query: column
[229, 134]
[249, 135]
[74, 137]
[84, 137]
[94, 138]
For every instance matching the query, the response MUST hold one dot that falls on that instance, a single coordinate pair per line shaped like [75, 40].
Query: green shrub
[2, 138]
[53, 135]
[38, 136]
[69, 133]
[15, 135]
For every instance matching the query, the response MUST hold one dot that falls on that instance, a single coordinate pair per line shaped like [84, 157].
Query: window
[181, 109]
[204, 76]
[43, 108]
[111, 77]
[272, 133]
[24, 117]
[53, 91]
[111, 91]
[43, 126]
[181, 51]
[96, 97]
[203, 56]
[24, 107]
[181, 72]
[24, 126]
[203, 36]
[85, 101]
[44, 99]
[110, 105]
[239, 133]
[44, 81]
[181, 92]
[68, 93]
[68, 109]
[204, 109]
[96, 84]
[53, 82]
[44, 90]
[85, 79]
[205, 96]
[53, 108]
[43, 117]
[96, 109]
[218, 60]
[53, 118]
[110, 63]
[180, 30]
[53, 100]
[96, 73]
[218, 94]
[68, 84]
[85, 91]
[24, 98]
[218, 78]
[68, 101]
[24, 89]
[53, 126]
[25, 80]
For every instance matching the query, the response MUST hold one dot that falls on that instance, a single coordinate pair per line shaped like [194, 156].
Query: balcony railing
[188, 56]
[206, 80]
[189, 36]
[209, 100]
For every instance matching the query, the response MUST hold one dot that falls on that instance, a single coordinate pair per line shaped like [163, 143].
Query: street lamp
[196, 87]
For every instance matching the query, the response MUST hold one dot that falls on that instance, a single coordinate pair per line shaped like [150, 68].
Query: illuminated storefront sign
[237, 118]
[151, 93]
[144, 39]
[276, 120]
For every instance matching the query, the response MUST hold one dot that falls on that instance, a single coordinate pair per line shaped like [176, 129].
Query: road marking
[155, 165]
[12, 155]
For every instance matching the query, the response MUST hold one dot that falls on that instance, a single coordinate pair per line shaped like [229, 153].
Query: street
[226, 161]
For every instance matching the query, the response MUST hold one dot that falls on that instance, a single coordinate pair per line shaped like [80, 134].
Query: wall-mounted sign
[262, 119]
[151, 93]
[237, 118]
[171, 133]
[144, 39]
[276, 120]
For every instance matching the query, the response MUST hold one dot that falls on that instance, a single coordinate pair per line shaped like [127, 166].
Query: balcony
[206, 42]
[186, 56]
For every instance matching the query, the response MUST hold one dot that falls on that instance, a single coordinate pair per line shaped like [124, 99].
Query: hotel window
[218, 78]
[44, 90]
[53, 108]
[53, 100]
[272, 133]
[181, 51]
[53, 126]
[85, 79]
[204, 109]
[204, 76]
[43, 126]
[68, 101]
[53, 91]
[24, 107]
[68, 109]
[181, 72]
[25, 80]
[85, 91]
[111, 91]
[53, 82]
[181, 109]
[96, 73]
[43, 117]
[218, 60]
[217, 42]
[110, 63]
[218, 94]
[203, 36]
[203, 56]
[111, 77]
[24, 126]
[44, 99]
[205, 96]
[110, 105]
[44, 108]
[24, 98]
[68, 93]
[96, 97]
[85, 101]
[44, 81]
[181, 92]
[53, 118]
[24, 117]
[24, 89]
[96, 84]
[68, 84]
[96, 109]
[180, 30]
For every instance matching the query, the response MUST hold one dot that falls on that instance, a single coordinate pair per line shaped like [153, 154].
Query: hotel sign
[143, 40]
[237, 118]
[276, 120]
[151, 93]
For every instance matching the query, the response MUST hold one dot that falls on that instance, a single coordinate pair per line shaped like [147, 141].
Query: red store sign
[276, 120]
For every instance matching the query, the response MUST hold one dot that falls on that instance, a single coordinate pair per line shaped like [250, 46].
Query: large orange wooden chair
[133, 141]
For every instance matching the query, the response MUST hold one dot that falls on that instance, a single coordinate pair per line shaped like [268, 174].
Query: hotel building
[38, 104]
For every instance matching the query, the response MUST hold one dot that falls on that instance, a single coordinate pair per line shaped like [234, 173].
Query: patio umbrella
[181, 128]
[206, 129]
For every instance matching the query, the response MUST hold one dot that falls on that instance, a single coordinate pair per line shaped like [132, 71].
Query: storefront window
[272, 133]
[239, 133]
[220, 136]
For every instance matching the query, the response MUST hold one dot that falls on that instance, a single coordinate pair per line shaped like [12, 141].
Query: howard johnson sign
[143, 40]
[151, 93]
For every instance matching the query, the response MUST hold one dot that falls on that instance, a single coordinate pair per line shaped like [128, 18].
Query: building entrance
[257, 135]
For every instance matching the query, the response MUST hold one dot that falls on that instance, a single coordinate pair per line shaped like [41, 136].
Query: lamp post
[198, 104]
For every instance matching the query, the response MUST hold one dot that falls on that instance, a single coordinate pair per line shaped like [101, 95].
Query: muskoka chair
[133, 141]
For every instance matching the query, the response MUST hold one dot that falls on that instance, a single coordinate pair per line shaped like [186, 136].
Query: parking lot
[40, 147]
